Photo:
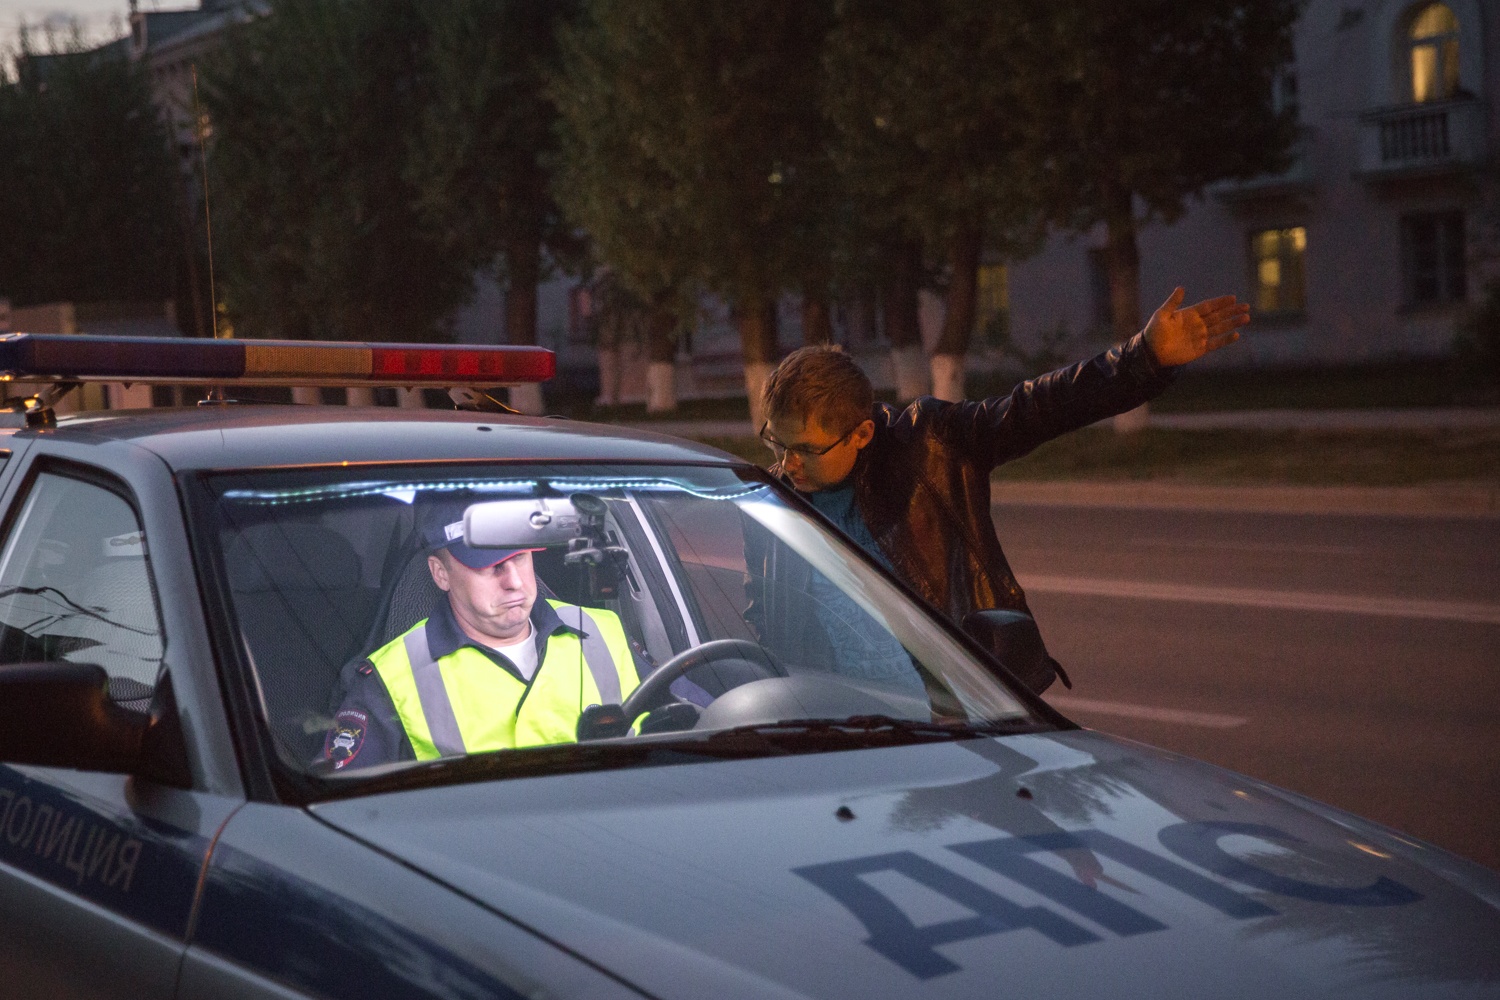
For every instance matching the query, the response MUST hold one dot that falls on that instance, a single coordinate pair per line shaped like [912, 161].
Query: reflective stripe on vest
[595, 653]
[496, 710]
[432, 693]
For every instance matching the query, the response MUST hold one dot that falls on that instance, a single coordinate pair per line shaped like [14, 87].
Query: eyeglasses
[800, 450]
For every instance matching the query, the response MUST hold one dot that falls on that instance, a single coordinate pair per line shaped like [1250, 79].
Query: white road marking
[1209, 543]
[1289, 600]
[1208, 720]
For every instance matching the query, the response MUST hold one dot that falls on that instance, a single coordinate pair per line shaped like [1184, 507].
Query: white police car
[867, 805]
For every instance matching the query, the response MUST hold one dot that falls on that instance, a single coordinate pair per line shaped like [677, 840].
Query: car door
[98, 871]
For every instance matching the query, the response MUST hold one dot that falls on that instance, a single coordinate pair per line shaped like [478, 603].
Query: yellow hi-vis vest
[466, 703]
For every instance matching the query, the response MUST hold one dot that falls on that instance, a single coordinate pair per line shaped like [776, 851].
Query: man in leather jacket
[912, 485]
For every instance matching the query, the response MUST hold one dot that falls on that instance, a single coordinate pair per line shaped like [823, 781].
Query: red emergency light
[40, 357]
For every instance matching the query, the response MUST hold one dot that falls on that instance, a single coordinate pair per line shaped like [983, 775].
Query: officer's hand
[1177, 336]
[673, 717]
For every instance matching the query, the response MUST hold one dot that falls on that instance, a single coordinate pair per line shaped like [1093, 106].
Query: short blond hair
[819, 385]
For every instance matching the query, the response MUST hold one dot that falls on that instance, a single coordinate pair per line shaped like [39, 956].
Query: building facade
[169, 43]
[1384, 229]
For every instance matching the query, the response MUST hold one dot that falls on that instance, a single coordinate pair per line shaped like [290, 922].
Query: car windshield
[764, 619]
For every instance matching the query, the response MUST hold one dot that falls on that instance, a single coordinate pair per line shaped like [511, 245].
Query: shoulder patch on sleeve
[345, 737]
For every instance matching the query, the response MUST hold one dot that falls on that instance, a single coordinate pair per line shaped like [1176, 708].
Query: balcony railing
[1422, 138]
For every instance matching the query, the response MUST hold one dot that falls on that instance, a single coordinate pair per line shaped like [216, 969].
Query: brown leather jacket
[923, 482]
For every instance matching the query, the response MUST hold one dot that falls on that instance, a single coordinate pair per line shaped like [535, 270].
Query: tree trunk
[527, 399]
[661, 366]
[608, 360]
[958, 321]
[757, 320]
[817, 322]
[190, 262]
[1123, 259]
[901, 308]
[135, 396]
[523, 265]
[607, 351]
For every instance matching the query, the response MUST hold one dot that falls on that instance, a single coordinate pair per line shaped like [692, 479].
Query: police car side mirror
[60, 715]
[521, 524]
[1017, 643]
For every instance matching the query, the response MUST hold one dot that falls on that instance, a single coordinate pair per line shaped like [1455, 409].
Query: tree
[317, 226]
[86, 181]
[1140, 104]
[486, 142]
[610, 186]
[932, 144]
[715, 135]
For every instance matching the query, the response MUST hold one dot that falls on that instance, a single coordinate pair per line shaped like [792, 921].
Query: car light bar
[40, 357]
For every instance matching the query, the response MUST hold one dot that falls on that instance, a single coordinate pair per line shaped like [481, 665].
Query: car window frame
[15, 500]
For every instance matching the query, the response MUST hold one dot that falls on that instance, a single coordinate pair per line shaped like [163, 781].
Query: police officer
[493, 668]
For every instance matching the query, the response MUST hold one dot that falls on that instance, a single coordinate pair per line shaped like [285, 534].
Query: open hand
[1177, 336]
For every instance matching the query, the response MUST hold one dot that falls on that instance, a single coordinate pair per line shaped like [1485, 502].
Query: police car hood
[1057, 865]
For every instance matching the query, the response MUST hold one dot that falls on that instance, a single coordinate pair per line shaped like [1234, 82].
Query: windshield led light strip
[346, 491]
[58, 357]
[573, 486]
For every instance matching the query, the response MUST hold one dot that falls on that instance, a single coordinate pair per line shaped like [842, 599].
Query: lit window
[1434, 54]
[1432, 258]
[1279, 283]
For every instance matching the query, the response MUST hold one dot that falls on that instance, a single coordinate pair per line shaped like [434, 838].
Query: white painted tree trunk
[755, 380]
[1132, 421]
[609, 377]
[307, 395]
[527, 399]
[411, 399]
[948, 377]
[661, 387]
[73, 402]
[133, 397]
[359, 396]
[911, 371]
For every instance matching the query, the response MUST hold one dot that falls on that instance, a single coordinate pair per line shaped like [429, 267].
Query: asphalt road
[1355, 659]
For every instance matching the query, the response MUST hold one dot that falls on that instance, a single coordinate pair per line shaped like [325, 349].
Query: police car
[810, 784]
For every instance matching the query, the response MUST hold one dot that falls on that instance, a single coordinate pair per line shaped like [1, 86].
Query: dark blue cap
[443, 528]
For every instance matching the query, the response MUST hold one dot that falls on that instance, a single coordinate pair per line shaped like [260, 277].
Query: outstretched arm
[1002, 428]
[1177, 335]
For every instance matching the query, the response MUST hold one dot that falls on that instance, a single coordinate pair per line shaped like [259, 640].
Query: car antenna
[215, 393]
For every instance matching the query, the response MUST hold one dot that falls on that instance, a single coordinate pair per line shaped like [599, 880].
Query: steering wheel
[653, 691]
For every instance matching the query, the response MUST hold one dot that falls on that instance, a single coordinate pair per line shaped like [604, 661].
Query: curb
[1450, 500]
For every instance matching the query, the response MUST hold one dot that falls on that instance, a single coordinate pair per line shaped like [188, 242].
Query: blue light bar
[40, 357]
